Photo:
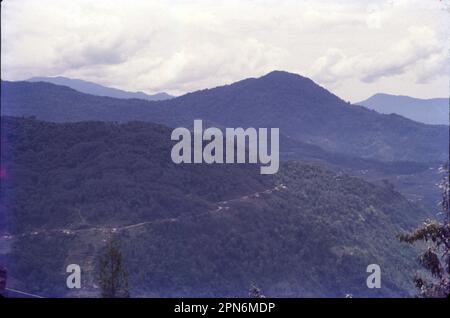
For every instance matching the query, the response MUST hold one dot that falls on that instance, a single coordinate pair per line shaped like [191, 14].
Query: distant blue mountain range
[97, 89]
[433, 111]
[302, 110]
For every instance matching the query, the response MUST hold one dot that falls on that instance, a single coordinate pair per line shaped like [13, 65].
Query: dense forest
[191, 230]
[315, 125]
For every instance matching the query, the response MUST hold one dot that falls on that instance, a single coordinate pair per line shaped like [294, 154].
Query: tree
[255, 292]
[113, 278]
[436, 258]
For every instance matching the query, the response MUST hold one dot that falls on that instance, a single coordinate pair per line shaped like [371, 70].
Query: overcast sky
[353, 48]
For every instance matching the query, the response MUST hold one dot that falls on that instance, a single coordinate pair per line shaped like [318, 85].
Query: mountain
[433, 111]
[190, 230]
[304, 112]
[307, 112]
[96, 89]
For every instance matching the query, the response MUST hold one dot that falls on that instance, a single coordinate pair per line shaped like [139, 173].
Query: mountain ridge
[92, 88]
[301, 109]
[434, 111]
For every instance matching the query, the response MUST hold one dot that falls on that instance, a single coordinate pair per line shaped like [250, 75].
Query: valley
[180, 226]
[80, 169]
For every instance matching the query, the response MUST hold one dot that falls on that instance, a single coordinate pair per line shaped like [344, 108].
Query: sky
[353, 48]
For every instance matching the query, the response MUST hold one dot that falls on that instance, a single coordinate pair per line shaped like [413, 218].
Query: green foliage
[436, 258]
[255, 292]
[313, 236]
[39, 262]
[93, 173]
[113, 277]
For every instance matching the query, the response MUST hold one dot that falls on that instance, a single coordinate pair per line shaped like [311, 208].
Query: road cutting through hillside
[221, 206]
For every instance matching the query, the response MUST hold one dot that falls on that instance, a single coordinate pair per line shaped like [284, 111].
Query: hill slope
[433, 111]
[191, 230]
[301, 109]
[305, 111]
[96, 89]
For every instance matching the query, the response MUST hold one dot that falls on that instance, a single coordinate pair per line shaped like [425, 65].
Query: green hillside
[191, 230]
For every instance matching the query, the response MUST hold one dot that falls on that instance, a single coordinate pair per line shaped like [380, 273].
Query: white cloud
[180, 46]
[420, 51]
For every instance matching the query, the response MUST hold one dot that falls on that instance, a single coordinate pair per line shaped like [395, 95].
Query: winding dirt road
[221, 207]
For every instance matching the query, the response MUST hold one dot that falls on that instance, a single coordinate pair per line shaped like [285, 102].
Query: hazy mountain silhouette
[97, 89]
[429, 111]
[303, 110]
